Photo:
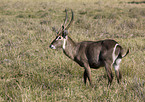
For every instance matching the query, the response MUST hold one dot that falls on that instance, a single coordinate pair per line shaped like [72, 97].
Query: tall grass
[30, 71]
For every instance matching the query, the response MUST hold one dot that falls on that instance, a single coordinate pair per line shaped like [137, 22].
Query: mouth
[52, 47]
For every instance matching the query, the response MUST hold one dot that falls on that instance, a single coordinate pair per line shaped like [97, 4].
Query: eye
[59, 37]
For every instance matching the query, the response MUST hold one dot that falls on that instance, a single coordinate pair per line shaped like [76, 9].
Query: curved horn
[72, 18]
[65, 21]
[66, 17]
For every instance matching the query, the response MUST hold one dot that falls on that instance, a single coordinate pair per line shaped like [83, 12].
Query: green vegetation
[31, 72]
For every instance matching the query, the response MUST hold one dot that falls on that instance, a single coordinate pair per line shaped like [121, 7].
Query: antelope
[90, 54]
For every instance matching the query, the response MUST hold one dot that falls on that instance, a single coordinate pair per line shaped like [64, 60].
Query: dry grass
[30, 71]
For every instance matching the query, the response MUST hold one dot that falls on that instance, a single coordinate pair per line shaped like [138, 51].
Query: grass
[30, 71]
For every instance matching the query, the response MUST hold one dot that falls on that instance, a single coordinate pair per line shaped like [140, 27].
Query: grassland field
[31, 72]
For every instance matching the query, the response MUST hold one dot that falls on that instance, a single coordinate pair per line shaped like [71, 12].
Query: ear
[65, 33]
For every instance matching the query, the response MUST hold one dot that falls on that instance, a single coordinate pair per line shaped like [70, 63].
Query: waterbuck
[90, 54]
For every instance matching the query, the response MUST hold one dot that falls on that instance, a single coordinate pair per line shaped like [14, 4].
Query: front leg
[87, 74]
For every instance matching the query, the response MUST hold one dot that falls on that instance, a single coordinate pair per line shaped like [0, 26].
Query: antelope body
[90, 54]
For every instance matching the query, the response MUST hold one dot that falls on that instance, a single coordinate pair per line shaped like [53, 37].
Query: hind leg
[116, 67]
[118, 75]
[109, 72]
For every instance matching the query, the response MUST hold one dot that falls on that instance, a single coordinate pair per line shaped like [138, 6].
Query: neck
[69, 47]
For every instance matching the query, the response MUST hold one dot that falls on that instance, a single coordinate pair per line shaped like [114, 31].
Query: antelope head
[60, 40]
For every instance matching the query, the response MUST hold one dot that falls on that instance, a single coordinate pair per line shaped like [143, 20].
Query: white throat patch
[64, 42]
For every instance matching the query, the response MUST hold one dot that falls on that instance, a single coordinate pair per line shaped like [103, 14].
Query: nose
[52, 46]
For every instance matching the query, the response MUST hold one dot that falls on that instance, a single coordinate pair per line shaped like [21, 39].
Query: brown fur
[91, 54]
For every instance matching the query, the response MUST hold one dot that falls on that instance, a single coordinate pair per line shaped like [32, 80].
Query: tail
[126, 53]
